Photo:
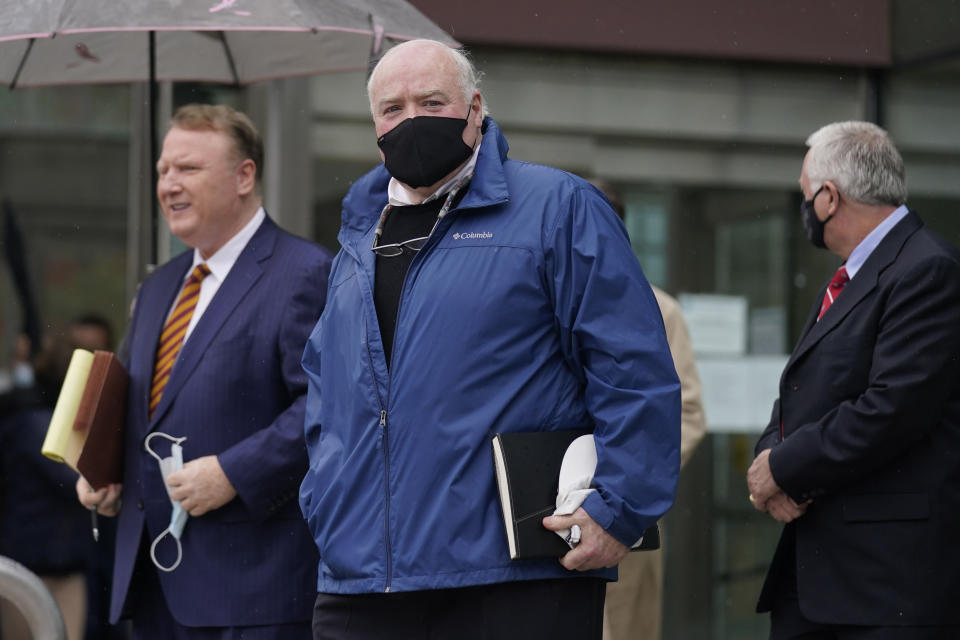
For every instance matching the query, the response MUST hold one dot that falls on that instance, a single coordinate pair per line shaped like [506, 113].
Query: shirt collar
[863, 250]
[222, 261]
[401, 196]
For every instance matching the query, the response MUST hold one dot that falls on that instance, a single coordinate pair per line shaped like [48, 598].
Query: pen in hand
[107, 498]
[93, 520]
[93, 523]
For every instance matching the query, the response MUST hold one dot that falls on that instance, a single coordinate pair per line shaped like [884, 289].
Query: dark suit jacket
[870, 408]
[236, 391]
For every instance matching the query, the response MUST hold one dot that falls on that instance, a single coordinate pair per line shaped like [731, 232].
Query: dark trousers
[563, 609]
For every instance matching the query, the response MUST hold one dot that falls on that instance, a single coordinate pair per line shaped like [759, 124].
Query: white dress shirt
[220, 264]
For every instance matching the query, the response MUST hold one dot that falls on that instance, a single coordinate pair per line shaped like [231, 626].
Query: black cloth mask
[420, 151]
[811, 223]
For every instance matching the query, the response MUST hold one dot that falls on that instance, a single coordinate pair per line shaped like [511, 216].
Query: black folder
[527, 469]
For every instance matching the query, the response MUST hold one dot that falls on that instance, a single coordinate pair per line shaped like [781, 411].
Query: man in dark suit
[861, 458]
[214, 359]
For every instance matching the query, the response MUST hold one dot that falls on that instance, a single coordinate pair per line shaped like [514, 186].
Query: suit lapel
[244, 273]
[858, 288]
[152, 312]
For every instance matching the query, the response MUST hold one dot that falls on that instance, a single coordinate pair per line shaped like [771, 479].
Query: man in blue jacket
[474, 295]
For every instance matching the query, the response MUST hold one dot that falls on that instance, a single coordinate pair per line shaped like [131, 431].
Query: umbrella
[236, 42]
[46, 42]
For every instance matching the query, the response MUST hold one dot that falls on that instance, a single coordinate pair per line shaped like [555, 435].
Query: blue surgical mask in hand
[178, 517]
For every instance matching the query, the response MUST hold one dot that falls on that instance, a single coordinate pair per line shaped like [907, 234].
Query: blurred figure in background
[41, 524]
[18, 385]
[634, 605]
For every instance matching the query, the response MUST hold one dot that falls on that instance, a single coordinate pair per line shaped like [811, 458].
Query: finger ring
[573, 539]
[752, 498]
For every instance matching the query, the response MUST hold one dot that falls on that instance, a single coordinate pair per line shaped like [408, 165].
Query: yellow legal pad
[64, 443]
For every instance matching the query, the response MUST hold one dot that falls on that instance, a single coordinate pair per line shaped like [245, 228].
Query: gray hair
[860, 159]
[468, 77]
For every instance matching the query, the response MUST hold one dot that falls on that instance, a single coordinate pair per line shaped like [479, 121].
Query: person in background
[474, 294]
[214, 360]
[41, 525]
[861, 458]
[634, 605]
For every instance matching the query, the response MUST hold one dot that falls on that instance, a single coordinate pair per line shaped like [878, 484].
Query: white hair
[468, 78]
[860, 159]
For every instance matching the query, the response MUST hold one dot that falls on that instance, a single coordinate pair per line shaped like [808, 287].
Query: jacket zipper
[386, 478]
[383, 418]
[386, 491]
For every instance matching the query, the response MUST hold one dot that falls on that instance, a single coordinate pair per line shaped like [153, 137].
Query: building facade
[696, 113]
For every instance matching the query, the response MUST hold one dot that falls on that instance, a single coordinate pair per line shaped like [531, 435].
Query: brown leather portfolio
[102, 414]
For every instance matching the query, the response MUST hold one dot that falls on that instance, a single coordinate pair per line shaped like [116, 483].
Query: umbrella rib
[23, 61]
[230, 61]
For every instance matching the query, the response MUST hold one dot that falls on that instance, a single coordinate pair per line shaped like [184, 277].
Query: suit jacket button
[140, 505]
[795, 387]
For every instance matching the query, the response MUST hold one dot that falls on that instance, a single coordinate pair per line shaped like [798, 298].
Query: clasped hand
[597, 548]
[767, 496]
[106, 500]
[201, 486]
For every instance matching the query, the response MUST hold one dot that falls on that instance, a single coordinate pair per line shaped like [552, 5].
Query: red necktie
[840, 280]
[171, 338]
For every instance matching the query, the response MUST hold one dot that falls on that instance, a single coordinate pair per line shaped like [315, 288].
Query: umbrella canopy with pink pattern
[49, 42]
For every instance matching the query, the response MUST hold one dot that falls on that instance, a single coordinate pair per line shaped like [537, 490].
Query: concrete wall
[674, 121]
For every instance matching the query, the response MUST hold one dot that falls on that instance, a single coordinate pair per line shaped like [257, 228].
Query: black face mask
[420, 151]
[811, 223]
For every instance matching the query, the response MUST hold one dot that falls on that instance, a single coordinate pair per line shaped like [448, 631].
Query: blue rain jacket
[525, 311]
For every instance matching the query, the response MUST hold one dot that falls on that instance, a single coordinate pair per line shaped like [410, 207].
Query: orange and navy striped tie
[171, 338]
